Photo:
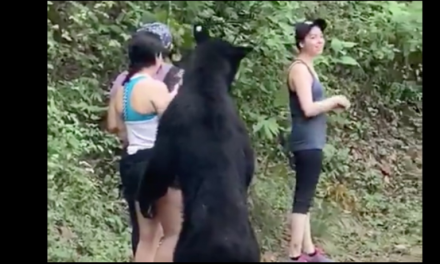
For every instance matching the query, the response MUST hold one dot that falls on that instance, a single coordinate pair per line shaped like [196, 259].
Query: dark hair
[143, 49]
[166, 52]
[302, 29]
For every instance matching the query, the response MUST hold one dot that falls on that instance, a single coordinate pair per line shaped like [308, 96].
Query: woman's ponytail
[132, 70]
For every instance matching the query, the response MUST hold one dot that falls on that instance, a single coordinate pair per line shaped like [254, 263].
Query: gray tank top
[307, 133]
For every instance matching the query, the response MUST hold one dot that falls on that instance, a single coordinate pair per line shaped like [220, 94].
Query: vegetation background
[369, 203]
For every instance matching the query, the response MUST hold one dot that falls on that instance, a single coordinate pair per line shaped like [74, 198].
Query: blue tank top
[141, 128]
[307, 132]
[129, 114]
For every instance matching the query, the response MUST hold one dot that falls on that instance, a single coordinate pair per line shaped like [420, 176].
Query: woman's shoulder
[150, 84]
[298, 69]
[118, 82]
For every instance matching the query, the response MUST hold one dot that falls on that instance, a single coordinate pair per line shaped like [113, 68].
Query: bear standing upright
[202, 140]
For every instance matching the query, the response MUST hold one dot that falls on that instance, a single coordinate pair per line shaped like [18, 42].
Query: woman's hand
[342, 102]
[176, 89]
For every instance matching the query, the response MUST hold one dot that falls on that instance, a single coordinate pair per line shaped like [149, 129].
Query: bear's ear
[240, 52]
[200, 33]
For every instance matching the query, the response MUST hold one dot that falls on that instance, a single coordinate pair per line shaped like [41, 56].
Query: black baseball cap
[302, 29]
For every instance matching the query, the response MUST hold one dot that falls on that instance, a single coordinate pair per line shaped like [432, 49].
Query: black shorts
[132, 167]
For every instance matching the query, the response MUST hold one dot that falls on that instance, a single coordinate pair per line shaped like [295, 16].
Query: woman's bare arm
[301, 81]
[114, 122]
[176, 88]
[162, 98]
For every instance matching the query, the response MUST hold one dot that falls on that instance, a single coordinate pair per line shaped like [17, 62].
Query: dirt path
[405, 255]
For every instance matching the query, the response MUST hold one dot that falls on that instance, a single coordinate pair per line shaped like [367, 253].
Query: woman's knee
[304, 196]
[147, 228]
[172, 230]
[169, 210]
[308, 165]
[171, 226]
[148, 233]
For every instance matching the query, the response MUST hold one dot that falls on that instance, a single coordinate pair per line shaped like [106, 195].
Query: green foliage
[369, 199]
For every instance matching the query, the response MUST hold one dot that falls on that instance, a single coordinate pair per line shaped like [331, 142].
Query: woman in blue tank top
[135, 109]
[171, 75]
[308, 106]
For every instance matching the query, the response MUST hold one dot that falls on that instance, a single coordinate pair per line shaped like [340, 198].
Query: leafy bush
[369, 199]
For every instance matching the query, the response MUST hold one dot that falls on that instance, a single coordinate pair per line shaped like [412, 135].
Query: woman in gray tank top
[308, 106]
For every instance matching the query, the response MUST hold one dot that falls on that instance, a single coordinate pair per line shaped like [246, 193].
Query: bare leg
[149, 236]
[297, 232]
[159, 235]
[169, 209]
[307, 245]
[311, 253]
[308, 168]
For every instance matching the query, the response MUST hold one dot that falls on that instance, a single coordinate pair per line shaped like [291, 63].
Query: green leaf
[346, 60]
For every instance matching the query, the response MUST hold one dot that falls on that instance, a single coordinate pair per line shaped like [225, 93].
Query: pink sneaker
[319, 256]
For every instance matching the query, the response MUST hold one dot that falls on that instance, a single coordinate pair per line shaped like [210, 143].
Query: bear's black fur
[203, 141]
[200, 34]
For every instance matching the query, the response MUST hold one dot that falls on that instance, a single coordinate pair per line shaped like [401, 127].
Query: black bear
[200, 34]
[203, 144]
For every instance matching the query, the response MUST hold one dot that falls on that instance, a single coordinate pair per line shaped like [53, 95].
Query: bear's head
[200, 34]
[217, 55]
